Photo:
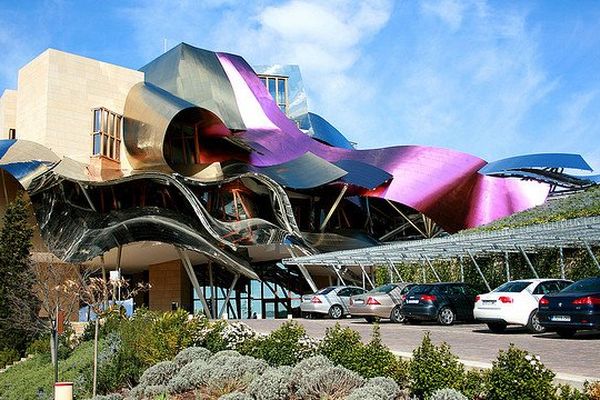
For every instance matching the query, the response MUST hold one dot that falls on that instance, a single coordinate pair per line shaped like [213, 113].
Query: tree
[19, 305]
[97, 293]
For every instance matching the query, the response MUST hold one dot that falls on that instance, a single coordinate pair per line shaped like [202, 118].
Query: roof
[576, 233]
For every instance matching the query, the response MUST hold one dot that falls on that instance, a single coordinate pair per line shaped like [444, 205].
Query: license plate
[412, 301]
[359, 301]
[489, 301]
[564, 318]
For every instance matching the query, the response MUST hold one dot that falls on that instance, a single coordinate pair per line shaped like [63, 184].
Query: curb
[575, 381]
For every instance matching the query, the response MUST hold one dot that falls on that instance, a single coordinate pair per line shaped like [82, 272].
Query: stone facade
[169, 286]
[56, 94]
[8, 112]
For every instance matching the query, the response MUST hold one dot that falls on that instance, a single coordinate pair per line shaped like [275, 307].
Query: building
[198, 175]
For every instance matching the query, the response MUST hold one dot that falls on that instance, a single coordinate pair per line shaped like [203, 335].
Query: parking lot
[474, 343]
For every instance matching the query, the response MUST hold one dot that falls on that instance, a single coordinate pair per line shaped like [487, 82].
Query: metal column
[507, 266]
[487, 285]
[224, 307]
[528, 262]
[333, 207]
[364, 273]
[592, 255]
[189, 269]
[307, 277]
[433, 269]
[562, 263]
[213, 294]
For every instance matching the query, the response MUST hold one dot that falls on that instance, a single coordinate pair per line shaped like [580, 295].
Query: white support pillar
[365, 275]
[333, 207]
[592, 255]
[487, 285]
[507, 266]
[562, 263]
[213, 291]
[528, 261]
[462, 269]
[307, 277]
[432, 268]
[233, 283]
[189, 269]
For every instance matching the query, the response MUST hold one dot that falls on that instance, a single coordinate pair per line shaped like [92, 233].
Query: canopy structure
[575, 233]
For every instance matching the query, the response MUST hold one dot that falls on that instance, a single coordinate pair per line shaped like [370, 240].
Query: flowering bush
[236, 334]
[448, 394]
[286, 345]
[517, 371]
[328, 383]
[190, 355]
[274, 384]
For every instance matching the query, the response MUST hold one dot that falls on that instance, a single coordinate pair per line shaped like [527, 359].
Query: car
[381, 302]
[445, 302]
[332, 300]
[576, 307]
[515, 303]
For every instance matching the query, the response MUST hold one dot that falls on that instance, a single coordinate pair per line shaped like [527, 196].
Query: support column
[528, 262]
[433, 269]
[333, 207]
[307, 277]
[487, 285]
[189, 269]
[226, 304]
[462, 269]
[213, 297]
[365, 275]
[592, 255]
[507, 266]
[562, 262]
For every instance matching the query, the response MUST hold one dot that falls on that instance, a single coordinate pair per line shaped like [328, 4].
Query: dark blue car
[576, 307]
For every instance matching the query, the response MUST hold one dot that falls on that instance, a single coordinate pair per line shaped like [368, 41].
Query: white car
[515, 303]
[333, 301]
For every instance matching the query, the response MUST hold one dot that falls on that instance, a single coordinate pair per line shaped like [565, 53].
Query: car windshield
[325, 290]
[512, 287]
[384, 289]
[584, 286]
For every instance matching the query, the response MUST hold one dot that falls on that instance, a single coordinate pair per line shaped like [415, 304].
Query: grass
[33, 379]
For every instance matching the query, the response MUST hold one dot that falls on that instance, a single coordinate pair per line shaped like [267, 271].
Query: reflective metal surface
[547, 160]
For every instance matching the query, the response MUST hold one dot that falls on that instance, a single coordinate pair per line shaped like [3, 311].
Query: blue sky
[492, 78]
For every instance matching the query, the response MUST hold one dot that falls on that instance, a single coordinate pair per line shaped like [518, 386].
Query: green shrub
[307, 366]
[286, 345]
[329, 383]
[8, 356]
[389, 386]
[517, 371]
[187, 378]
[368, 393]
[344, 347]
[39, 346]
[448, 394]
[434, 367]
[191, 354]
[566, 392]
[274, 384]
[168, 334]
[159, 374]
[592, 390]
[236, 396]
[475, 384]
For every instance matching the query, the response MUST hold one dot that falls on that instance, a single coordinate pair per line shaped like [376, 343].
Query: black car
[576, 307]
[445, 302]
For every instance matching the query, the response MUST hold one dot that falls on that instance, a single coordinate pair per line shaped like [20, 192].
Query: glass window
[12, 133]
[345, 292]
[384, 289]
[97, 144]
[272, 88]
[325, 290]
[422, 289]
[281, 91]
[584, 286]
[97, 120]
[512, 287]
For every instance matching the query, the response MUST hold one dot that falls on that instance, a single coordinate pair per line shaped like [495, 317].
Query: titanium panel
[545, 160]
[196, 76]
[362, 174]
[322, 130]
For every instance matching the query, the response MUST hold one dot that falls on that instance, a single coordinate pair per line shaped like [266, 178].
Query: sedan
[515, 303]
[333, 301]
[382, 302]
[445, 302]
[577, 307]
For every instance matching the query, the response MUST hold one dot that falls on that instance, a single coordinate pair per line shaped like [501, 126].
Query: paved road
[474, 342]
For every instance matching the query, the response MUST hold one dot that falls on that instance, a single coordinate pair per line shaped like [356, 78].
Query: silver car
[333, 301]
[382, 302]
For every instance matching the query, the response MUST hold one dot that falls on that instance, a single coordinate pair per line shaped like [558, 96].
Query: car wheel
[566, 333]
[446, 316]
[396, 316]
[336, 312]
[497, 327]
[533, 325]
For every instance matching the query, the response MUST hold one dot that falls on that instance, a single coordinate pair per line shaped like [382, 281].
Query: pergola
[576, 233]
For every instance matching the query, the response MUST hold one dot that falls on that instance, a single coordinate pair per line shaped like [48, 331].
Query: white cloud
[449, 11]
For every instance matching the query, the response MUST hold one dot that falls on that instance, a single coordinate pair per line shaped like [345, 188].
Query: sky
[491, 78]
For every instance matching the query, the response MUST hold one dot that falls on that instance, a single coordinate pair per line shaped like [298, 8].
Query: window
[12, 133]
[106, 133]
[278, 88]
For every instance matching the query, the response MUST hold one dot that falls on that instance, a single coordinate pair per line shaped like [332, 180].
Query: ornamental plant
[519, 374]
[434, 367]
